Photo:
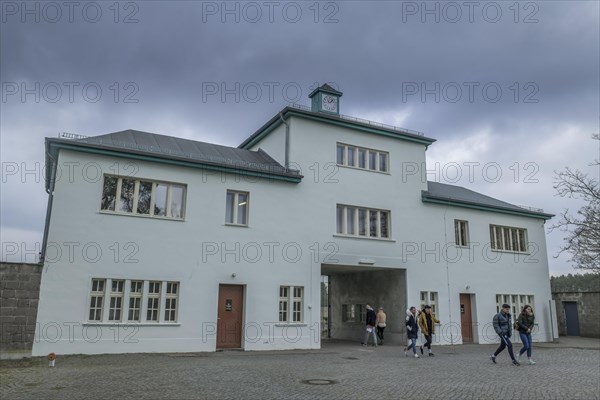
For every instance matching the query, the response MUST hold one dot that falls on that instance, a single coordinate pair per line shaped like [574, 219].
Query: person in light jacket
[412, 330]
[503, 327]
[427, 321]
[381, 324]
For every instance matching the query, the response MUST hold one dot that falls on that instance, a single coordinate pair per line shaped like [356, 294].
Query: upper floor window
[236, 211]
[363, 158]
[143, 197]
[358, 221]
[508, 239]
[461, 233]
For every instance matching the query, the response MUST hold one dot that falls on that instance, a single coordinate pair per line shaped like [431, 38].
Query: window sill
[363, 169]
[131, 324]
[236, 225]
[525, 253]
[284, 324]
[140, 216]
[364, 238]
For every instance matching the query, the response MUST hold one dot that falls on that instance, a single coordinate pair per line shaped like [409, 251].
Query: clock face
[330, 103]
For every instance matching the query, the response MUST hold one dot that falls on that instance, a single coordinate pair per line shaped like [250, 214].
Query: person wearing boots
[427, 321]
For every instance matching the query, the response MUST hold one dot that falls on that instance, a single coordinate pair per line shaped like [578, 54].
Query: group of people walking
[425, 321]
[504, 327]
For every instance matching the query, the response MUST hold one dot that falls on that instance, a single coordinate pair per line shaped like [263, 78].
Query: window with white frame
[136, 296]
[136, 290]
[507, 238]
[362, 158]
[461, 233]
[116, 300]
[143, 197]
[365, 222]
[96, 299]
[236, 212]
[354, 313]
[291, 296]
[153, 301]
[430, 298]
[516, 302]
[171, 301]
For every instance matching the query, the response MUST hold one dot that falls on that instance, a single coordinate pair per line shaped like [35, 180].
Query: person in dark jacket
[371, 319]
[412, 330]
[503, 327]
[525, 322]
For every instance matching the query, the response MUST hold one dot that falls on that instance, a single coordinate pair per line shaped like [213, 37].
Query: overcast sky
[503, 86]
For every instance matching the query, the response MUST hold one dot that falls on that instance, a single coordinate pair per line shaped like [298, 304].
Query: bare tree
[583, 239]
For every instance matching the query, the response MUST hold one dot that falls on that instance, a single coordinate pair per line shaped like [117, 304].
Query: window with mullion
[294, 296]
[507, 238]
[97, 299]
[135, 300]
[143, 197]
[116, 300]
[363, 222]
[153, 301]
[236, 204]
[362, 158]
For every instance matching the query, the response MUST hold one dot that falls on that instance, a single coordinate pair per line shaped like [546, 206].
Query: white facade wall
[167, 250]
[294, 228]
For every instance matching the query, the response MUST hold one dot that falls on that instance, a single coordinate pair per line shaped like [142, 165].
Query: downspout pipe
[50, 191]
[287, 142]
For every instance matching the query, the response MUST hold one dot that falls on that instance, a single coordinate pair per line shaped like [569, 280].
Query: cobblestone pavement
[457, 372]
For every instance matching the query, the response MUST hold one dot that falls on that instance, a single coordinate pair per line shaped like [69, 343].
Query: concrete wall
[378, 288]
[19, 293]
[588, 309]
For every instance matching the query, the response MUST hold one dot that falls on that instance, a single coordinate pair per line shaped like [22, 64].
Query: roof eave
[53, 145]
[426, 198]
[274, 122]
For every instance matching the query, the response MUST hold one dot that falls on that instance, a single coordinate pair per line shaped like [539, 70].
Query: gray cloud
[375, 53]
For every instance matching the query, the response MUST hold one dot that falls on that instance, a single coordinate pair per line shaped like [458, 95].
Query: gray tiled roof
[185, 149]
[457, 194]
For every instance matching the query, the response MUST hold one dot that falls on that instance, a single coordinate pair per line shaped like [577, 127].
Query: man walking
[503, 327]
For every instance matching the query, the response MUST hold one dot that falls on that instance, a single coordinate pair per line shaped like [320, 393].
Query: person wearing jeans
[503, 327]
[412, 330]
[371, 318]
[525, 326]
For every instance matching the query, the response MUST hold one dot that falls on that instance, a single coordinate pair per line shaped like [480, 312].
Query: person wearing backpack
[503, 327]
[524, 325]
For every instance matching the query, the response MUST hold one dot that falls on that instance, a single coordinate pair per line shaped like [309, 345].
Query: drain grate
[350, 358]
[319, 382]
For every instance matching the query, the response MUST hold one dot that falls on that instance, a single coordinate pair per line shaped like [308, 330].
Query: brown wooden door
[230, 316]
[466, 322]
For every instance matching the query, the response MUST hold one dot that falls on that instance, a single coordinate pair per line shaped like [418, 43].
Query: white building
[160, 244]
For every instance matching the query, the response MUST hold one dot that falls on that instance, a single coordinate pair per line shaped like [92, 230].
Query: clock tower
[325, 99]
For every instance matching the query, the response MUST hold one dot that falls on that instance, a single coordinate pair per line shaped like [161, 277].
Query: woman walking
[525, 326]
[381, 319]
[412, 329]
[427, 321]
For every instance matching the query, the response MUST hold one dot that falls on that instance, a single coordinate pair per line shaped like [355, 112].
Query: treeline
[589, 282]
